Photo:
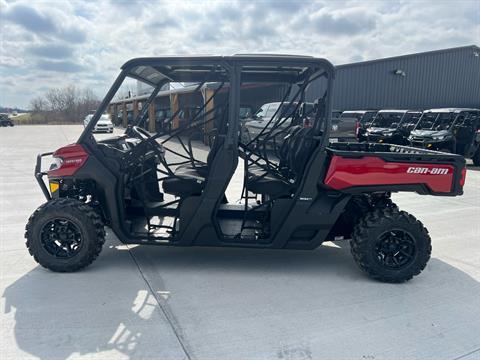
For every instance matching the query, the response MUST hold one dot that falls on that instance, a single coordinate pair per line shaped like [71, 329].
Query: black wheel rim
[395, 249]
[61, 238]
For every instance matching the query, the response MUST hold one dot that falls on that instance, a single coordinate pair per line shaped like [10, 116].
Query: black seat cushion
[200, 169]
[259, 182]
[187, 181]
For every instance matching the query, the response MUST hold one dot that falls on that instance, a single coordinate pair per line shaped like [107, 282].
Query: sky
[45, 44]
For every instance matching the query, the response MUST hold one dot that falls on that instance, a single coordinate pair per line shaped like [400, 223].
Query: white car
[104, 124]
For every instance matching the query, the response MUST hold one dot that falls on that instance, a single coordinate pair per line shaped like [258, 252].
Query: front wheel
[64, 235]
[390, 245]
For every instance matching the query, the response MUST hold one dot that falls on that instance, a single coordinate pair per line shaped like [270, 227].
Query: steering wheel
[148, 141]
[141, 133]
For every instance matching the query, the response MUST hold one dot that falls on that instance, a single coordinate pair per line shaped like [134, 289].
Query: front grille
[418, 143]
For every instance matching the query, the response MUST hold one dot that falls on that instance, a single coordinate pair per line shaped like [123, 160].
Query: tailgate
[402, 169]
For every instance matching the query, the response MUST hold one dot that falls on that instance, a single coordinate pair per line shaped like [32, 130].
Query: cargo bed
[367, 167]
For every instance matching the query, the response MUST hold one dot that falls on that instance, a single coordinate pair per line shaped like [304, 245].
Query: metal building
[434, 79]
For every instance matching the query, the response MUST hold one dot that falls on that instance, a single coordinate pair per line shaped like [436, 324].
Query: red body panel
[344, 173]
[73, 156]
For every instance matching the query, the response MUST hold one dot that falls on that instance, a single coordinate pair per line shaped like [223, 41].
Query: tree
[38, 104]
[67, 104]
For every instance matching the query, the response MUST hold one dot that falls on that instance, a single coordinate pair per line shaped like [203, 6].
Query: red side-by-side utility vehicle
[157, 189]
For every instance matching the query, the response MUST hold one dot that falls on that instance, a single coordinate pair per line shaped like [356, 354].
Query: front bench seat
[261, 182]
[188, 180]
[185, 182]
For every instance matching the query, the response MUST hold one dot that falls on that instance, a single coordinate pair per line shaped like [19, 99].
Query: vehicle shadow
[108, 307]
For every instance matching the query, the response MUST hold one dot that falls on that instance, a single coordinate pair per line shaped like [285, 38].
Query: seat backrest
[285, 147]
[219, 139]
[300, 149]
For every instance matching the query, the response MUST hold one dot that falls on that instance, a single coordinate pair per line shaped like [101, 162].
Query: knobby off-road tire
[361, 205]
[390, 245]
[385, 203]
[64, 235]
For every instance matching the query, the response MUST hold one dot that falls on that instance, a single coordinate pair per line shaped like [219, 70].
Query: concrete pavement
[200, 303]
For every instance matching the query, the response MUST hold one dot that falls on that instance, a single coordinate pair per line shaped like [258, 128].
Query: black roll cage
[455, 116]
[233, 70]
[261, 68]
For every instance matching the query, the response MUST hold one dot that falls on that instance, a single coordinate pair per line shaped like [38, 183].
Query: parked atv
[392, 126]
[158, 190]
[5, 120]
[449, 130]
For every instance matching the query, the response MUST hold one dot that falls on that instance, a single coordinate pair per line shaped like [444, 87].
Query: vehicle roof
[285, 103]
[273, 68]
[358, 111]
[392, 111]
[450, 110]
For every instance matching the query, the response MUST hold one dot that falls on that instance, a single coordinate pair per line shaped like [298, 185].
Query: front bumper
[430, 144]
[39, 174]
[103, 128]
[378, 138]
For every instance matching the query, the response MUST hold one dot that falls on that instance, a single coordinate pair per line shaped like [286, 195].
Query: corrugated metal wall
[448, 78]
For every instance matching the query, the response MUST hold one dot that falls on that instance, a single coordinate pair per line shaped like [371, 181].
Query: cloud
[59, 66]
[73, 35]
[31, 19]
[53, 51]
[86, 42]
[42, 23]
[10, 61]
[344, 22]
[160, 24]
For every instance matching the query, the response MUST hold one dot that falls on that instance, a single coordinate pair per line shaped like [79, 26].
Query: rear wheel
[390, 245]
[64, 235]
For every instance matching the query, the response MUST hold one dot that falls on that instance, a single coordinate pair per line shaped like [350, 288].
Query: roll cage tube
[421, 118]
[327, 116]
[453, 121]
[402, 120]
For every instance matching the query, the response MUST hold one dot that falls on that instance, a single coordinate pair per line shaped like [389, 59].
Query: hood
[379, 130]
[104, 122]
[429, 133]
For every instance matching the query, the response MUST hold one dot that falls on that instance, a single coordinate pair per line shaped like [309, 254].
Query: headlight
[56, 164]
[442, 137]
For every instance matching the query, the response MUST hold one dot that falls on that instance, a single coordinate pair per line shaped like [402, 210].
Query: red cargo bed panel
[345, 173]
